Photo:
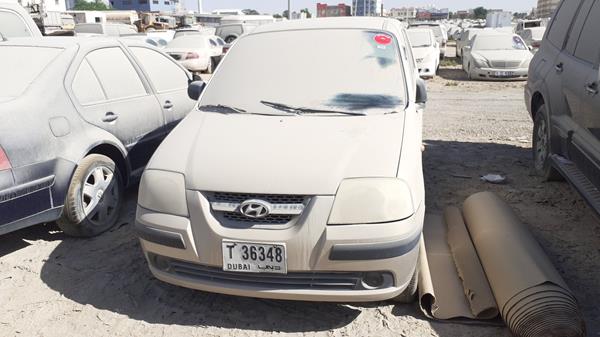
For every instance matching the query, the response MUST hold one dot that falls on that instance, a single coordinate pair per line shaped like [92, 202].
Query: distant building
[325, 10]
[464, 14]
[404, 13]
[433, 13]
[228, 12]
[366, 7]
[166, 6]
[546, 8]
[498, 19]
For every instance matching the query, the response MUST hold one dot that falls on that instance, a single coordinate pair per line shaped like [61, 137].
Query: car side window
[164, 74]
[562, 22]
[588, 48]
[12, 25]
[117, 75]
[86, 87]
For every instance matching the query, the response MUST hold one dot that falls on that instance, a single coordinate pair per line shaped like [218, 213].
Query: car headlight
[164, 192]
[481, 62]
[371, 200]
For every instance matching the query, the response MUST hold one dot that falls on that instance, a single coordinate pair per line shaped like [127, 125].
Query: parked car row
[222, 207]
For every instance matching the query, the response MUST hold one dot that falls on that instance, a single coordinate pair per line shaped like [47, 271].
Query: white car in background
[441, 35]
[533, 36]
[197, 53]
[426, 51]
[497, 57]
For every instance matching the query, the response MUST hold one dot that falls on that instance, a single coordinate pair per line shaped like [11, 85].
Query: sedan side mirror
[421, 92]
[195, 89]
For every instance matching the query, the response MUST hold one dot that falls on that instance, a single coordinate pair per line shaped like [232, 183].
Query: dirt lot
[52, 285]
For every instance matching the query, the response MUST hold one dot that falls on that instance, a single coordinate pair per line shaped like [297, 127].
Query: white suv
[299, 182]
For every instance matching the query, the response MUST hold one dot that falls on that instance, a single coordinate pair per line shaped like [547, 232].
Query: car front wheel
[542, 149]
[94, 197]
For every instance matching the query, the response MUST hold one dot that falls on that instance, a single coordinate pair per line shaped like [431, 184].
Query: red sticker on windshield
[383, 39]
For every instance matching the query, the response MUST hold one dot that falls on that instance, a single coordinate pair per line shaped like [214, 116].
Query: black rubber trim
[158, 236]
[377, 251]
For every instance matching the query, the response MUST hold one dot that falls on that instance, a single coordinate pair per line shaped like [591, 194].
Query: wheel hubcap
[100, 195]
[541, 149]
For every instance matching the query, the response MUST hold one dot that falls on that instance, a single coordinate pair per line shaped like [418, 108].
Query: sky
[278, 6]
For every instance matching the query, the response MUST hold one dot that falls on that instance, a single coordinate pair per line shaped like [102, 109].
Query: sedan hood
[504, 55]
[306, 155]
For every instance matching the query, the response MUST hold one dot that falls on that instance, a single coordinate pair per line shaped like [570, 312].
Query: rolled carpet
[532, 297]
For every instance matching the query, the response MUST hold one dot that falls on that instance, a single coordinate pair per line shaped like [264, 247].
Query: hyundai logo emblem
[255, 209]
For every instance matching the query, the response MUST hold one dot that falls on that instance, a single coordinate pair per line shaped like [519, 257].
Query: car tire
[94, 197]
[542, 146]
[409, 295]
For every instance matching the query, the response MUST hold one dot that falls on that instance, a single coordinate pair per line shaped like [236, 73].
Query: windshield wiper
[302, 111]
[220, 108]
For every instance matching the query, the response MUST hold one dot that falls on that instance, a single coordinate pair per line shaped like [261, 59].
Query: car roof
[67, 41]
[420, 30]
[377, 23]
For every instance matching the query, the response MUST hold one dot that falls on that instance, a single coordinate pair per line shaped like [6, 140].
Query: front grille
[271, 219]
[292, 280]
[285, 208]
[271, 198]
[505, 64]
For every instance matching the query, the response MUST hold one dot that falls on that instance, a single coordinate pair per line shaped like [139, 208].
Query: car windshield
[187, 33]
[192, 41]
[22, 65]
[343, 70]
[419, 38]
[498, 42]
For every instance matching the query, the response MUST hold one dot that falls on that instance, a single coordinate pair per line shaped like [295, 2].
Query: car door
[169, 82]
[112, 96]
[553, 58]
[580, 86]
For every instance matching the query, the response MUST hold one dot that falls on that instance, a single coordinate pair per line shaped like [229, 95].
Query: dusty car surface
[496, 57]
[80, 119]
[307, 187]
[562, 95]
[426, 51]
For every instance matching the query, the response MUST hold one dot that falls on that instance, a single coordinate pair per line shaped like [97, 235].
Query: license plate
[246, 257]
[504, 73]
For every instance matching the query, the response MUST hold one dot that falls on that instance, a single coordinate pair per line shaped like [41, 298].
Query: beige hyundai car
[298, 176]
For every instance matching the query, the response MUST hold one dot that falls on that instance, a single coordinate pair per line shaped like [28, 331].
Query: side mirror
[195, 89]
[421, 92]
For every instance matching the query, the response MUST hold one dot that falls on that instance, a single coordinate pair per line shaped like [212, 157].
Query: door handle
[168, 105]
[559, 68]
[109, 117]
[592, 88]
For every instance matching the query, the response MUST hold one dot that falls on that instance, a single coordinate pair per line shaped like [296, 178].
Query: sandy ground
[52, 285]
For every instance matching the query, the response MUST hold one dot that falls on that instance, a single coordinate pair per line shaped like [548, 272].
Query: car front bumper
[499, 74]
[324, 263]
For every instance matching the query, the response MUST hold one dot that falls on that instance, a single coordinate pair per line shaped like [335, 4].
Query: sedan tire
[94, 197]
[542, 149]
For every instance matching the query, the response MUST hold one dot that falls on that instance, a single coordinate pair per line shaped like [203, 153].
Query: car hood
[306, 155]
[504, 55]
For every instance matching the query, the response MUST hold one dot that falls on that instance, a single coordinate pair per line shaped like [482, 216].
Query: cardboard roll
[483, 262]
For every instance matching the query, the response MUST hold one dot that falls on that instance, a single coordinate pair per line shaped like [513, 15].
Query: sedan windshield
[319, 71]
[22, 65]
[498, 42]
[190, 41]
[419, 38]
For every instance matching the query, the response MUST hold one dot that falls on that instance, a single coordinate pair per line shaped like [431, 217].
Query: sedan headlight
[371, 200]
[481, 62]
[164, 192]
